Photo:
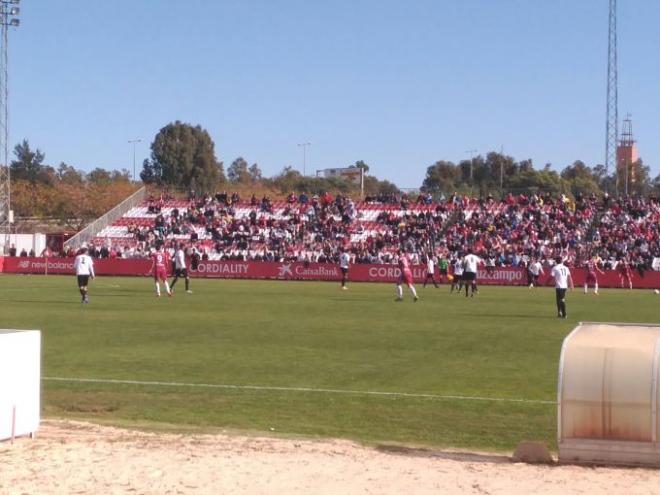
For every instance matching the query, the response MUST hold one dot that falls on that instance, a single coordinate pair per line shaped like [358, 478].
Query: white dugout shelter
[608, 394]
[20, 380]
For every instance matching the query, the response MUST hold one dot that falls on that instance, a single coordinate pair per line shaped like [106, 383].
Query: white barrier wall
[20, 378]
[25, 241]
[608, 394]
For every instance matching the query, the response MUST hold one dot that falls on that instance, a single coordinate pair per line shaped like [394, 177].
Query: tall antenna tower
[8, 13]
[626, 155]
[612, 115]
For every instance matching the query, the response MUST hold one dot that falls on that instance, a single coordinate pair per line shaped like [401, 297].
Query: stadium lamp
[134, 142]
[8, 9]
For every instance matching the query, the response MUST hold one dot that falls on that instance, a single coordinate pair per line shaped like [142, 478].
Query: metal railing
[89, 232]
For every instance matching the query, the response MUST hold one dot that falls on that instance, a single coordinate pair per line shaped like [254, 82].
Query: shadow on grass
[40, 301]
[509, 315]
[353, 299]
[440, 454]
[102, 295]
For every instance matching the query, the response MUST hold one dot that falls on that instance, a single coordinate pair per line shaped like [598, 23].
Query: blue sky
[398, 84]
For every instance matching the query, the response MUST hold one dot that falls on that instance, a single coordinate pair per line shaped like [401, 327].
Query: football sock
[412, 289]
[157, 288]
[399, 291]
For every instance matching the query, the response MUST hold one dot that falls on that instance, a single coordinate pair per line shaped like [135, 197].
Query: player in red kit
[160, 261]
[625, 273]
[592, 277]
[406, 277]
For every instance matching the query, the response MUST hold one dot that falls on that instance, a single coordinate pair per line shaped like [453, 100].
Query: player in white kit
[534, 271]
[563, 279]
[430, 270]
[180, 268]
[470, 262]
[344, 263]
[84, 267]
[457, 281]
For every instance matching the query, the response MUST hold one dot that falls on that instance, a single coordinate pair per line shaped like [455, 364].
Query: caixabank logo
[284, 269]
[305, 271]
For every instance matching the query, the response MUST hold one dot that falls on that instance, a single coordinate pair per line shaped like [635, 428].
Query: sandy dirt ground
[81, 458]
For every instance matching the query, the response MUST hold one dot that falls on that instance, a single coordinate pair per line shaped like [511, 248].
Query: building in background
[626, 156]
[351, 174]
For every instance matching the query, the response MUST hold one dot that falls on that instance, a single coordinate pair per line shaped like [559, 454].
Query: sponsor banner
[63, 266]
[312, 271]
[272, 270]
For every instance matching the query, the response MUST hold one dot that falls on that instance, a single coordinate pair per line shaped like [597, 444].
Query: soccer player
[344, 263]
[592, 277]
[84, 267]
[457, 281]
[405, 277]
[490, 263]
[470, 262]
[534, 271]
[625, 272]
[180, 268]
[562, 276]
[443, 267]
[430, 270]
[159, 263]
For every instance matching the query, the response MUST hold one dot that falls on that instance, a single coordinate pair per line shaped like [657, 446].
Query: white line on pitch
[296, 389]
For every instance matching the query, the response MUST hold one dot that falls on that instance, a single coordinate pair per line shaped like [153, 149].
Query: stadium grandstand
[314, 228]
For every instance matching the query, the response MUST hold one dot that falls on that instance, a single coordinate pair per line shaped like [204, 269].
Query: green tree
[255, 172]
[656, 186]
[238, 172]
[287, 179]
[28, 163]
[498, 170]
[99, 176]
[640, 182]
[69, 175]
[183, 156]
[536, 181]
[387, 187]
[149, 174]
[581, 179]
[442, 177]
[362, 165]
[122, 175]
[221, 172]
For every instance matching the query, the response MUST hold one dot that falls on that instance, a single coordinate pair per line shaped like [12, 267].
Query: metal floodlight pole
[612, 101]
[304, 147]
[134, 142]
[7, 20]
[501, 171]
[471, 153]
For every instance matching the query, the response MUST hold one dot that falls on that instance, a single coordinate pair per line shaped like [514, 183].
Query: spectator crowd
[512, 231]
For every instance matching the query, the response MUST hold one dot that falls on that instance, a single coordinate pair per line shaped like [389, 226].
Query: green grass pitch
[308, 350]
